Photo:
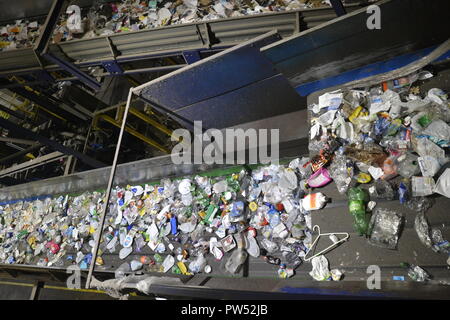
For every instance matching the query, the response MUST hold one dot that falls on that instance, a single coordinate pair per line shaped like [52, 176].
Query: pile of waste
[122, 16]
[183, 226]
[104, 19]
[386, 142]
[22, 34]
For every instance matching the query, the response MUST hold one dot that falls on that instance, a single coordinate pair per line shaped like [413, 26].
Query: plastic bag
[304, 167]
[428, 165]
[320, 271]
[419, 204]
[425, 147]
[437, 96]
[376, 172]
[343, 129]
[443, 184]
[198, 264]
[288, 180]
[382, 190]
[380, 101]
[438, 129]
[422, 228]
[268, 245]
[330, 100]
[439, 244]
[385, 227]
[408, 165]
[422, 186]
[341, 170]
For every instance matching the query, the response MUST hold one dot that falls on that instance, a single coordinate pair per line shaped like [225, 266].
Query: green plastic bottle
[357, 199]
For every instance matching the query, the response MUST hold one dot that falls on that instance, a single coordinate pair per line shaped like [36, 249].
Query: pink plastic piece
[319, 178]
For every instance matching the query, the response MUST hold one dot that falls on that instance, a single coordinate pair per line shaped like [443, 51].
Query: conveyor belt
[167, 41]
[355, 255]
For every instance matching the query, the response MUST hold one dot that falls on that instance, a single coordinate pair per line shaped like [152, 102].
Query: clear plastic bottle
[416, 273]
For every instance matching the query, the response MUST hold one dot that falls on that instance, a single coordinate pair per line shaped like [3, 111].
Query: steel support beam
[39, 161]
[11, 158]
[55, 110]
[72, 69]
[133, 132]
[151, 122]
[18, 141]
[51, 143]
[13, 113]
[41, 47]
[49, 25]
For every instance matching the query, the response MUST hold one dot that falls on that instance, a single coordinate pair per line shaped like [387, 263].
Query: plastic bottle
[357, 198]
[399, 83]
[416, 273]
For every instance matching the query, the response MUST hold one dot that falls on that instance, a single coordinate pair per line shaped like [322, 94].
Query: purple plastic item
[319, 178]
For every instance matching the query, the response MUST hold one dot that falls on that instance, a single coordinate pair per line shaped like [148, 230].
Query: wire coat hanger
[332, 235]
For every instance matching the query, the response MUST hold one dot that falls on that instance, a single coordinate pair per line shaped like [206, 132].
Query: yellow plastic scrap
[182, 268]
[253, 206]
[99, 261]
[355, 114]
[363, 177]
[31, 241]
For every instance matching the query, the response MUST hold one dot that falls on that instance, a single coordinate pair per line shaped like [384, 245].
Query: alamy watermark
[229, 146]
[374, 20]
[374, 280]
[74, 280]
